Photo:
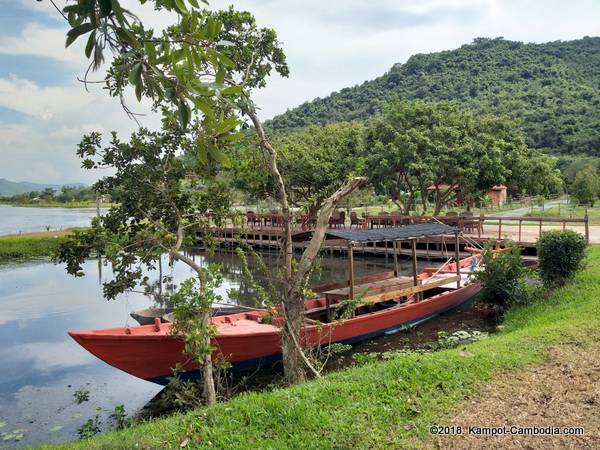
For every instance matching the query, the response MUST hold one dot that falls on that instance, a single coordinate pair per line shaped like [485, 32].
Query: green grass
[574, 211]
[26, 247]
[386, 404]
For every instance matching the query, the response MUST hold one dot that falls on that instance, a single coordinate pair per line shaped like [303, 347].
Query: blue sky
[44, 110]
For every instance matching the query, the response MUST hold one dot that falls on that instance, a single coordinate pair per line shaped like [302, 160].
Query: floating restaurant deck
[523, 230]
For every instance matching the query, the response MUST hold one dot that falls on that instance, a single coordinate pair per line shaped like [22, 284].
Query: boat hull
[151, 352]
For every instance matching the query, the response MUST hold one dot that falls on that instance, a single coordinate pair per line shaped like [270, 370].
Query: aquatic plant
[81, 395]
[461, 337]
[90, 428]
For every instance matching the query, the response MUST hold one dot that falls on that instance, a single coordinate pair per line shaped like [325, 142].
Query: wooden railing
[540, 220]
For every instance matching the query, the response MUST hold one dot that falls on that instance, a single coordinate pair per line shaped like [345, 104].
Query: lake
[41, 367]
[15, 219]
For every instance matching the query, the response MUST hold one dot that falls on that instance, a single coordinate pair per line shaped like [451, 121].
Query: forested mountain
[552, 89]
[8, 188]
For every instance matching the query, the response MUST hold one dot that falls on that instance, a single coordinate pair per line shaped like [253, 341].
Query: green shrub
[560, 255]
[502, 276]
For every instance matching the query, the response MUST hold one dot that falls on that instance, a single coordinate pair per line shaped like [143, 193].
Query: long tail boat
[380, 304]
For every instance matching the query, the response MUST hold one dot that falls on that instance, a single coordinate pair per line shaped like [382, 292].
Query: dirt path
[563, 392]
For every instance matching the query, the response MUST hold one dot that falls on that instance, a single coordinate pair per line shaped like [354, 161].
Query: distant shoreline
[72, 205]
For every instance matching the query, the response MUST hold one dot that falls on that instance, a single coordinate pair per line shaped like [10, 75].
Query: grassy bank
[571, 210]
[386, 404]
[31, 245]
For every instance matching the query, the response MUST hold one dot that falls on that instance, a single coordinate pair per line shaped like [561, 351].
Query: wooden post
[499, 228]
[457, 258]
[540, 233]
[396, 268]
[413, 247]
[564, 224]
[520, 224]
[587, 227]
[480, 225]
[351, 258]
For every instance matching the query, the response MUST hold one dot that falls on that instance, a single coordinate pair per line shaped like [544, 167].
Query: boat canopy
[407, 232]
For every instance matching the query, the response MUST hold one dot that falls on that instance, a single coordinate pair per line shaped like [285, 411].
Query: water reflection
[41, 367]
[15, 219]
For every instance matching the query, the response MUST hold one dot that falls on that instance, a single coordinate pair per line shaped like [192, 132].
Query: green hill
[553, 89]
[9, 188]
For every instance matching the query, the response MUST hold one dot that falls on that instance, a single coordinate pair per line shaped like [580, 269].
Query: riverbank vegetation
[29, 246]
[383, 404]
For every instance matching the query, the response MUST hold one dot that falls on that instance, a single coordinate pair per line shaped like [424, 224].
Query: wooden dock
[523, 230]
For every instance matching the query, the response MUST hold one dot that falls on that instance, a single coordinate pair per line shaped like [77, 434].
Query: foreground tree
[205, 67]
[157, 207]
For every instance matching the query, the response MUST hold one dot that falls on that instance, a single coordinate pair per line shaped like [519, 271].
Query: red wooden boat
[151, 353]
[386, 303]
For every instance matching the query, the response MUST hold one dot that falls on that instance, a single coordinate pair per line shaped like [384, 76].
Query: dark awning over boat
[384, 234]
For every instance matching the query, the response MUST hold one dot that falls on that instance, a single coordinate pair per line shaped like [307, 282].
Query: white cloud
[49, 356]
[43, 103]
[40, 40]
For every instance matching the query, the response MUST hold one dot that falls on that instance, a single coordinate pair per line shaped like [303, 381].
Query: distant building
[497, 194]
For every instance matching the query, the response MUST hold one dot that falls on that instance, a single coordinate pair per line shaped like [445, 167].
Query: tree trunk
[424, 199]
[207, 368]
[438, 202]
[293, 304]
[293, 365]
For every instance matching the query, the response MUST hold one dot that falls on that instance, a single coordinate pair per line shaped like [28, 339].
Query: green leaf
[194, 3]
[116, 7]
[219, 156]
[184, 114]
[226, 125]
[180, 6]
[77, 31]
[201, 147]
[139, 89]
[203, 105]
[125, 35]
[220, 76]
[89, 47]
[233, 137]
[226, 61]
[232, 90]
[105, 7]
[150, 49]
[135, 74]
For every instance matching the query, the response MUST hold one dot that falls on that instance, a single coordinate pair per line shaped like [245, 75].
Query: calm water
[15, 220]
[41, 367]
